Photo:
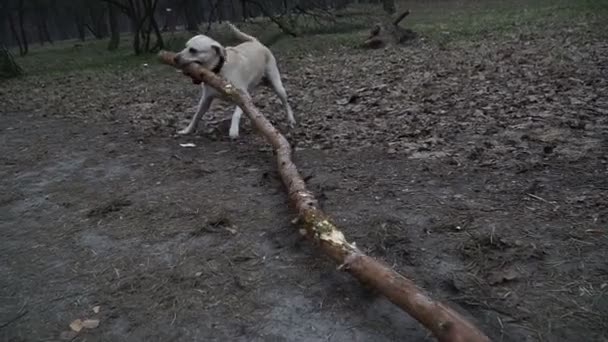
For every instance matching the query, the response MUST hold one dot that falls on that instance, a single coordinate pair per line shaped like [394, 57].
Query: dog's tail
[241, 35]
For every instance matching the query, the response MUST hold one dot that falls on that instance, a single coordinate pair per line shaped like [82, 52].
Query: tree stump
[383, 34]
[8, 67]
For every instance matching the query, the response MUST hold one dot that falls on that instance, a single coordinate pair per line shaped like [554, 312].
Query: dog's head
[202, 50]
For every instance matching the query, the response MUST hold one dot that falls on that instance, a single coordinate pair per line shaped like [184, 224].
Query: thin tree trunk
[221, 10]
[22, 29]
[40, 35]
[146, 35]
[98, 16]
[80, 27]
[42, 27]
[446, 324]
[136, 36]
[11, 23]
[47, 35]
[137, 20]
[160, 44]
[159, 36]
[114, 30]
[244, 11]
[191, 16]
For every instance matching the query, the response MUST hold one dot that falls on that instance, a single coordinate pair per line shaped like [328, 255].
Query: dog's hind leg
[203, 106]
[274, 77]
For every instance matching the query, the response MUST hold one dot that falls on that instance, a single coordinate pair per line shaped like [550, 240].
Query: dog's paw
[234, 134]
[184, 131]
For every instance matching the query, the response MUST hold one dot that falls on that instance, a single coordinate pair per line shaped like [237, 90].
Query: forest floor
[474, 162]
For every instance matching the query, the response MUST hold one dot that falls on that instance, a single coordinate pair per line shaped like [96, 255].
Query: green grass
[474, 19]
[438, 20]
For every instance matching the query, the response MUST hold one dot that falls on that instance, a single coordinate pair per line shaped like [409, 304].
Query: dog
[245, 66]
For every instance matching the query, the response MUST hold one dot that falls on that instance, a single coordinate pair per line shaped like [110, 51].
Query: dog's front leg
[234, 124]
[203, 106]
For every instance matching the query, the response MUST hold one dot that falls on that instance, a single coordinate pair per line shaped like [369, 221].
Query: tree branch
[401, 17]
[445, 323]
[274, 19]
[119, 5]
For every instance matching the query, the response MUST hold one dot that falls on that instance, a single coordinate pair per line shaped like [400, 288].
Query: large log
[389, 32]
[445, 323]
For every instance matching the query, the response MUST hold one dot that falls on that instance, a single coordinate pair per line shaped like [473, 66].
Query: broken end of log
[400, 17]
[389, 32]
[373, 43]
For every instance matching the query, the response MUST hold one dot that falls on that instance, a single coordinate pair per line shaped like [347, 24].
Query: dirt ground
[478, 169]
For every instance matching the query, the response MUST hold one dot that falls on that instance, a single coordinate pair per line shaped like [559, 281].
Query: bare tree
[41, 10]
[21, 14]
[143, 23]
[114, 30]
[98, 25]
[16, 37]
[190, 10]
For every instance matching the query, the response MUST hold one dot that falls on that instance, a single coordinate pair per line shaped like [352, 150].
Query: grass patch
[475, 19]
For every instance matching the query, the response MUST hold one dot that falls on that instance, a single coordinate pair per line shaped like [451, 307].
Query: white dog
[244, 65]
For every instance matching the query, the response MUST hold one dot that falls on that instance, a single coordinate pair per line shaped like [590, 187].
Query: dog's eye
[193, 50]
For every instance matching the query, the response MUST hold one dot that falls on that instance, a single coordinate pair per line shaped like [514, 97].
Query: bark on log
[389, 32]
[445, 323]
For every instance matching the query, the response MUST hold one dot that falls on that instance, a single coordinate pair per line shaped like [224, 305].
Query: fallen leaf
[502, 276]
[90, 323]
[76, 325]
[187, 145]
[96, 309]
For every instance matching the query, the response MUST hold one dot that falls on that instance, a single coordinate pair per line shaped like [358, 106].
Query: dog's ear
[219, 50]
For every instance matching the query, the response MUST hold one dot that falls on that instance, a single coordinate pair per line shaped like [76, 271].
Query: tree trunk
[388, 6]
[8, 67]
[151, 6]
[80, 27]
[11, 23]
[244, 10]
[445, 323]
[40, 35]
[138, 19]
[42, 27]
[160, 44]
[100, 23]
[47, 35]
[191, 17]
[220, 10]
[136, 36]
[114, 30]
[22, 29]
